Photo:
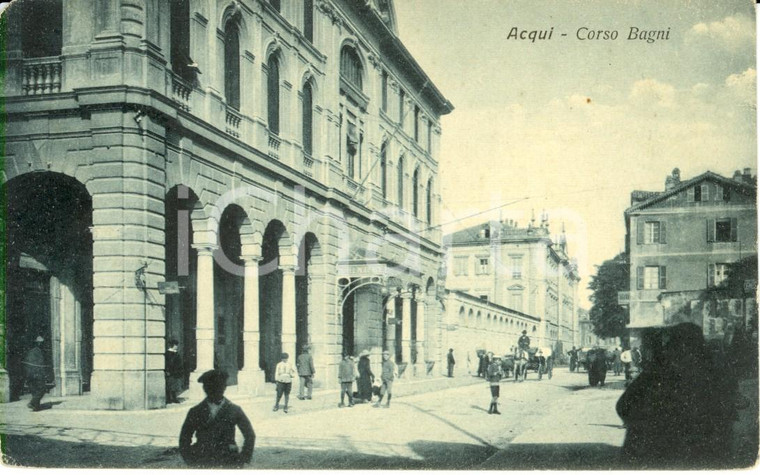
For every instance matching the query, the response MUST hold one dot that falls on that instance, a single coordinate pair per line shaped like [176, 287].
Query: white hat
[39, 339]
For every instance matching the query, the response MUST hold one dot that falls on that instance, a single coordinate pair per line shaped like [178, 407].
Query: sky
[572, 126]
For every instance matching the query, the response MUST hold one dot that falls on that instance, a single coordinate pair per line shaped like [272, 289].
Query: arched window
[351, 67]
[41, 28]
[415, 192]
[180, 36]
[384, 169]
[400, 182]
[232, 64]
[307, 119]
[429, 202]
[273, 94]
[308, 20]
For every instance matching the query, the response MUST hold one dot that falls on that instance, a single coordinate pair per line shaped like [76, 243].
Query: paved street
[558, 423]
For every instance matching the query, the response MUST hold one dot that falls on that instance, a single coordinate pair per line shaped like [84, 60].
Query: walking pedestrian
[305, 365]
[283, 376]
[626, 359]
[617, 366]
[174, 371]
[450, 362]
[36, 372]
[346, 377]
[212, 423]
[388, 375]
[494, 375]
[366, 377]
[573, 359]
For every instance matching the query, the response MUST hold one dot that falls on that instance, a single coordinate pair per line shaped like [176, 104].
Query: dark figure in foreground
[174, 370]
[450, 362]
[35, 371]
[679, 411]
[213, 423]
[366, 377]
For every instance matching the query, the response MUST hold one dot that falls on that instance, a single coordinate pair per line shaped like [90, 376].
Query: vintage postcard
[379, 235]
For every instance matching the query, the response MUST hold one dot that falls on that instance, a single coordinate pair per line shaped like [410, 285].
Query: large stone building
[519, 268]
[682, 241]
[245, 176]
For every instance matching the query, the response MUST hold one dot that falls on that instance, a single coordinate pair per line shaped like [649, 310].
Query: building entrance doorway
[49, 279]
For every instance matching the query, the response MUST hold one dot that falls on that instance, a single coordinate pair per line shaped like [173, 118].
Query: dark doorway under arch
[48, 256]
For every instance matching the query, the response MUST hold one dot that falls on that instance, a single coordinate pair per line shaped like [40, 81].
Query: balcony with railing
[232, 122]
[274, 146]
[41, 76]
[181, 90]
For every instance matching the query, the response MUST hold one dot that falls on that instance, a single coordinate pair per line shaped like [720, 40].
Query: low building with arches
[520, 268]
[471, 324]
[245, 176]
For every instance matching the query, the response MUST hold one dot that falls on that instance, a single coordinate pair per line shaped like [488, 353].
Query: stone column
[289, 311]
[251, 378]
[422, 353]
[204, 327]
[406, 329]
[390, 330]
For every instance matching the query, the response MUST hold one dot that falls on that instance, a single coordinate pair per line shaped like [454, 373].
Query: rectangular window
[722, 230]
[484, 297]
[705, 192]
[651, 232]
[721, 273]
[517, 267]
[483, 267]
[516, 301]
[697, 193]
[460, 265]
[718, 193]
[651, 277]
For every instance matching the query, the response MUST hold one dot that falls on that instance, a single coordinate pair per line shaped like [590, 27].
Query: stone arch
[276, 254]
[49, 263]
[353, 44]
[183, 215]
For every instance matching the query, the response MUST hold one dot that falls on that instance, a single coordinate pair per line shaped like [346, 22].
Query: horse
[521, 363]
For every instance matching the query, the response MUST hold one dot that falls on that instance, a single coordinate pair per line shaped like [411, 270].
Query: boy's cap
[213, 377]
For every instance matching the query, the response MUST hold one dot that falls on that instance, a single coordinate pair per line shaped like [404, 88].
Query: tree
[609, 318]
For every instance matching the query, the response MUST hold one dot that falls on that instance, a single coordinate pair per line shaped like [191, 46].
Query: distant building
[682, 241]
[521, 269]
[586, 336]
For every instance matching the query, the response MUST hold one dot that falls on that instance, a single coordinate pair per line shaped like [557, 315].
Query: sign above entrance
[171, 287]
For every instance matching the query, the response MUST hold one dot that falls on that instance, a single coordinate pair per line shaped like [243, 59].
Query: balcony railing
[308, 164]
[233, 122]
[41, 76]
[181, 92]
[274, 146]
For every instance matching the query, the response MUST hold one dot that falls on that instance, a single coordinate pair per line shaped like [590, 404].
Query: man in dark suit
[174, 370]
[213, 423]
[450, 362]
[305, 366]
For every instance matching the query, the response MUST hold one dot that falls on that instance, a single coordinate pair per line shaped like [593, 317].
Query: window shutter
[734, 230]
[710, 275]
[705, 192]
[690, 195]
[639, 277]
[710, 230]
[640, 231]
[662, 232]
[663, 279]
